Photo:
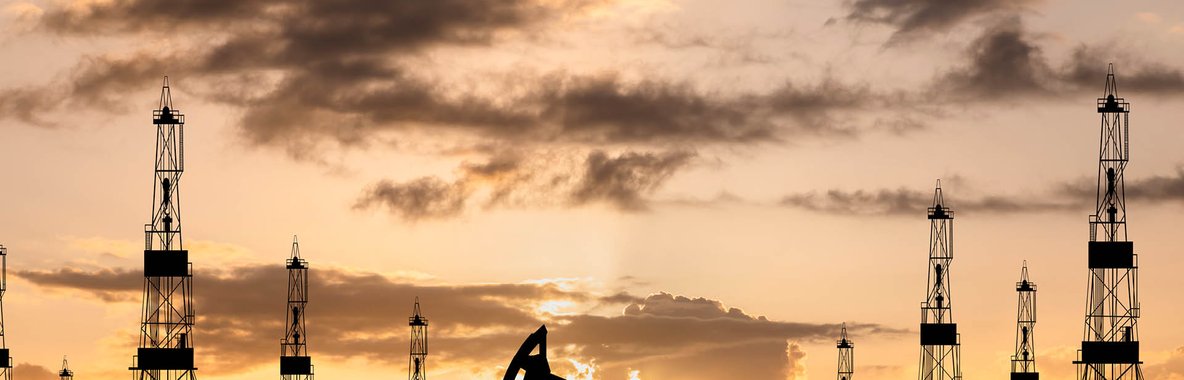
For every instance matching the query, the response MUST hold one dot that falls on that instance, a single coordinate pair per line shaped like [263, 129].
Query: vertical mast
[1110, 342]
[165, 349]
[940, 346]
[295, 363]
[1023, 362]
[846, 355]
[66, 373]
[417, 365]
[5, 359]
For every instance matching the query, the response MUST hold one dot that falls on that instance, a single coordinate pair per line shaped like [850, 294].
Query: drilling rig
[941, 348]
[66, 373]
[1023, 362]
[846, 355]
[295, 364]
[5, 359]
[417, 365]
[1110, 345]
[166, 325]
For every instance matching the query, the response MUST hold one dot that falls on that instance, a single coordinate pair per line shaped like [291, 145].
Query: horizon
[676, 189]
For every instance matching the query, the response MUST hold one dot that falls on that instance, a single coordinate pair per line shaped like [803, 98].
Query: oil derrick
[940, 346]
[295, 364]
[536, 366]
[1110, 346]
[66, 373]
[166, 326]
[1023, 362]
[5, 359]
[417, 365]
[846, 355]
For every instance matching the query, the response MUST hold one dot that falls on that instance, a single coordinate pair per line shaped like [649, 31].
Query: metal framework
[417, 365]
[846, 355]
[1023, 362]
[940, 342]
[66, 373]
[5, 359]
[166, 330]
[295, 363]
[1110, 345]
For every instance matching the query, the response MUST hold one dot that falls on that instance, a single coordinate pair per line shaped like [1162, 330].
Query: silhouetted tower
[417, 366]
[66, 373]
[166, 330]
[846, 355]
[940, 346]
[295, 363]
[5, 359]
[1110, 346]
[1023, 362]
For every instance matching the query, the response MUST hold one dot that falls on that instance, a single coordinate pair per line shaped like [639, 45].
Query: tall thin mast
[5, 359]
[846, 355]
[1023, 362]
[417, 367]
[65, 373]
[295, 363]
[940, 345]
[1110, 342]
[166, 325]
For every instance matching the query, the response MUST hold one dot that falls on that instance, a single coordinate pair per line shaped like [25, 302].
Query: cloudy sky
[680, 189]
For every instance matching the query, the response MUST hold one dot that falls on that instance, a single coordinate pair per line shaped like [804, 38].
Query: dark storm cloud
[309, 29]
[1073, 196]
[1007, 62]
[28, 105]
[905, 201]
[1157, 188]
[1002, 62]
[423, 198]
[912, 18]
[1086, 69]
[107, 284]
[624, 180]
[476, 326]
[605, 109]
[310, 73]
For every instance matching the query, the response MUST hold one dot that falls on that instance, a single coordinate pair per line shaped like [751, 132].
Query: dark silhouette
[165, 349]
[65, 373]
[846, 355]
[1023, 362]
[295, 364]
[535, 366]
[1110, 347]
[5, 360]
[417, 365]
[940, 346]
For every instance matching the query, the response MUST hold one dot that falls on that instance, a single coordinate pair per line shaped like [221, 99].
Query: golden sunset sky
[679, 189]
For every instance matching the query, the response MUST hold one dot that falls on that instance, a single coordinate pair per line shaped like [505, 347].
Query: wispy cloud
[473, 326]
[918, 18]
[1071, 196]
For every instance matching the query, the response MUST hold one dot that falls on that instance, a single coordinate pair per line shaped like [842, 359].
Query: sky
[678, 189]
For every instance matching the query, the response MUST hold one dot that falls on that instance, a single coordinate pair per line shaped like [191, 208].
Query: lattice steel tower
[417, 366]
[5, 359]
[1110, 346]
[1023, 362]
[846, 355]
[295, 364]
[940, 346]
[65, 373]
[166, 330]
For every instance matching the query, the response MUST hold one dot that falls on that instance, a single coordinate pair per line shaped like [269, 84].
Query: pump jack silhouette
[535, 366]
